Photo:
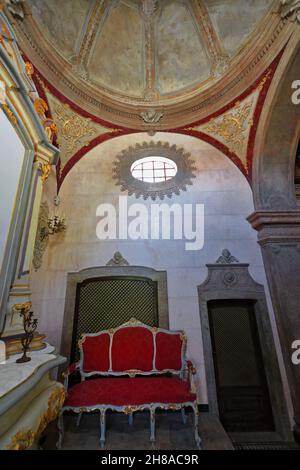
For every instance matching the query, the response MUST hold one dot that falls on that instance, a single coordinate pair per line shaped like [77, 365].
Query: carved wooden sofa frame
[133, 350]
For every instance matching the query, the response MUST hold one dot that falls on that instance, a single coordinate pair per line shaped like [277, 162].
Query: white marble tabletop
[12, 374]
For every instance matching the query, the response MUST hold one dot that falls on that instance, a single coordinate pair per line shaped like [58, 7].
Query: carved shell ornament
[182, 179]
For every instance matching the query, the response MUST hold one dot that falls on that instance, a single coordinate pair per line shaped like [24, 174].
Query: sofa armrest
[191, 375]
[71, 368]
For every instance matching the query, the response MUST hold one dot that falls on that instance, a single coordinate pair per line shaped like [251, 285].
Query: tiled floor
[171, 433]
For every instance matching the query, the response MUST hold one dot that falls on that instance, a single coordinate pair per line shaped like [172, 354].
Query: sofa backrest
[132, 348]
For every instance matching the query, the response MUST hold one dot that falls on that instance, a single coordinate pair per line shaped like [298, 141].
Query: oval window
[153, 169]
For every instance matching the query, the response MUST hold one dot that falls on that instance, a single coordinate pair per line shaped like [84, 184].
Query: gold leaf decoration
[23, 440]
[10, 114]
[232, 127]
[73, 128]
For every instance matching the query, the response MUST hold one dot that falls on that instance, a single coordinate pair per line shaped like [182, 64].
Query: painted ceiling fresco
[151, 47]
[107, 68]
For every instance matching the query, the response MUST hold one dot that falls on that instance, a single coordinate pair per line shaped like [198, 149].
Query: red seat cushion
[129, 391]
[168, 351]
[96, 353]
[132, 349]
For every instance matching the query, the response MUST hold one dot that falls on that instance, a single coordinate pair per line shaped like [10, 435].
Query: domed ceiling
[106, 68]
[159, 63]
[148, 49]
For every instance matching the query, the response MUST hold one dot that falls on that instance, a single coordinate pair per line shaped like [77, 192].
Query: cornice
[178, 110]
[277, 227]
[261, 219]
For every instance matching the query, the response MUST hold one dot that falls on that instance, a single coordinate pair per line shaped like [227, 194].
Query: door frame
[73, 279]
[234, 282]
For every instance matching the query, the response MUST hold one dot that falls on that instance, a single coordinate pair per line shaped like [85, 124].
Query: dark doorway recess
[242, 390]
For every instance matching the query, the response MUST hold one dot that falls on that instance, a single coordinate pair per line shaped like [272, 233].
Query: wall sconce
[54, 225]
[46, 226]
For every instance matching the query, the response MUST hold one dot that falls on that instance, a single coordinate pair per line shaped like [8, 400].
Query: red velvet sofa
[140, 367]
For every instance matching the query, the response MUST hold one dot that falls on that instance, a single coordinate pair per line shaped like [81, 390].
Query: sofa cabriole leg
[78, 419]
[196, 430]
[130, 419]
[60, 426]
[152, 424]
[183, 415]
[102, 427]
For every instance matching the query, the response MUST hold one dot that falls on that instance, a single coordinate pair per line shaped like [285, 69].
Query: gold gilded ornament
[40, 106]
[74, 128]
[29, 69]
[232, 127]
[10, 114]
[46, 169]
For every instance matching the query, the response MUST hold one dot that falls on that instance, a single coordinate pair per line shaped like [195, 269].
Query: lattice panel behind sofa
[109, 302]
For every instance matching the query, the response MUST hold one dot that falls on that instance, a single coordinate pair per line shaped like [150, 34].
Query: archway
[277, 218]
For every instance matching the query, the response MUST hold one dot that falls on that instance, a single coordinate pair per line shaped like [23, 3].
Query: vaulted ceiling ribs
[149, 11]
[218, 56]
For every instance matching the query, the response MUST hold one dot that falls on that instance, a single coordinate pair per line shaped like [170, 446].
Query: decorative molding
[234, 282]
[218, 56]
[96, 17]
[21, 93]
[290, 9]
[148, 9]
[9, 113]
[42, 236]
[41, 108]
[117, 260]
[276, 227]
[182, 179]
[226, 258]
[229, 278]
[29, 69]
[46, 169]
[23, 440]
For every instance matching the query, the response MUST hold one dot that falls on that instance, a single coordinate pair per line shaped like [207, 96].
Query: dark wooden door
[242, 391]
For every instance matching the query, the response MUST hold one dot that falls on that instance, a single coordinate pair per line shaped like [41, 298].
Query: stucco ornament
[41, 242]
[233, 126]
[16, 8]
[227, 258]
[73, 128]
[290, 9]
[149, 7]
[151, 116]
[117, 260]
